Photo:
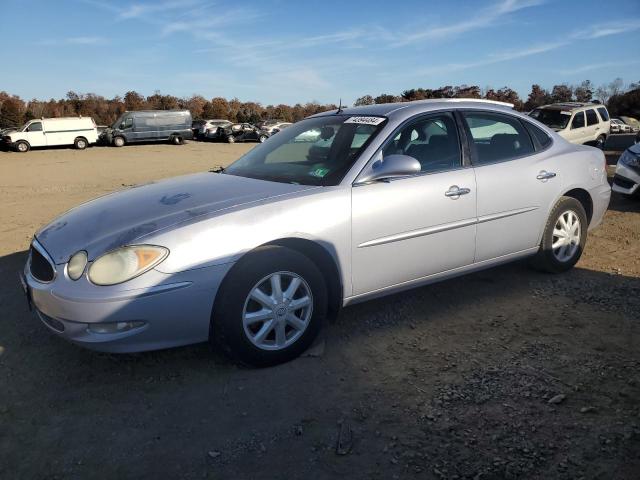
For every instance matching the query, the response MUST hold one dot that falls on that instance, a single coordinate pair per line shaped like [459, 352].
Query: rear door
[593, 129]
[413, 227]
[577, 132]
[516, 183]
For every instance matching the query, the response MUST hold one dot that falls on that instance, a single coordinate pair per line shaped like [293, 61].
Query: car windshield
[316, 151]
[556, 119]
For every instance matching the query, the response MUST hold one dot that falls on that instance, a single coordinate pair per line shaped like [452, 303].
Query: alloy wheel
[277, 311]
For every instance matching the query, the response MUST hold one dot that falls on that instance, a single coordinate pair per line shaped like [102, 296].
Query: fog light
[116, 327]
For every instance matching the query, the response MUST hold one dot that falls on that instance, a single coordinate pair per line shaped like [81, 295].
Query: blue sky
[289, 51]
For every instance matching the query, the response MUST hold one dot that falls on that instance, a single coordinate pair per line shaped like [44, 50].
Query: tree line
[14, 111]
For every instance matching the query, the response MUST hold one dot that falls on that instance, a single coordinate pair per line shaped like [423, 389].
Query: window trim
[474, 161]
[536, 143]
[464, 160]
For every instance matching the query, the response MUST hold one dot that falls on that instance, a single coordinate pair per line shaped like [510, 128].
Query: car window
[592, 118]
[540, 135]
[497, 137]
[128, 122]
[578, 120]
[35, 127]
[603, 113]
[315, 151]
[432, 140]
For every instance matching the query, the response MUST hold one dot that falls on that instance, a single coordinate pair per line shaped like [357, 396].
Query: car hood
[122, 217]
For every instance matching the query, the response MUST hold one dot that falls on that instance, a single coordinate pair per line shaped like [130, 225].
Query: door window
[603, 113]
[592, 118]
[497, 138]
[578, 121]
[433, 141]
[34, 127]
[126, 123]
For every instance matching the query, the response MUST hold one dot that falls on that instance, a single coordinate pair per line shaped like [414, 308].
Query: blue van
[173, 126]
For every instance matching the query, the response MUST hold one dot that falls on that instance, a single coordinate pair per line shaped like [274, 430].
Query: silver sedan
[341, 207]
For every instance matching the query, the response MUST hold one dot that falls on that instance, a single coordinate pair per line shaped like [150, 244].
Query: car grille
[623, 182]
[40, 267]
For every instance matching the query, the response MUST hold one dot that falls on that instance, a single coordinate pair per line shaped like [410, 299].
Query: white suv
[578, 123]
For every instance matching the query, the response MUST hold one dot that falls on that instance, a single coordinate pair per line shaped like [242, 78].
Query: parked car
[627, 177]
[275, 127]
[207, 126]
[49, 132]
[579, 123]
[173, 126]
[632, 122]
[242, 132]
[256, 257]
[211, 131]
[618, 126]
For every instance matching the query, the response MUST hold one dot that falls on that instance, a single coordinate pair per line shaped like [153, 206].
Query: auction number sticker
[365, 120]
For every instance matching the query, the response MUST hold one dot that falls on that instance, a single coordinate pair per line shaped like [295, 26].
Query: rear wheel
[176, 140]
[80, 143]
[22, 146]
[118, 142]
[262, 138]
[231, 139]
[600, 142]
[564, 237]
[270, 307]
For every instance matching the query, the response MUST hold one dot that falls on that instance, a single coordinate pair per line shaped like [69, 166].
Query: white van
[48, 132]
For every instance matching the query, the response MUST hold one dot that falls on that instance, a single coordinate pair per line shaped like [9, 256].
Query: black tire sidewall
[227, 330]
[78, 142]
[548, 260]
[28, 147]
[118, 139]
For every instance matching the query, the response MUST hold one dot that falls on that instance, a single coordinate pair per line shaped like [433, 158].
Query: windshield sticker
[365, 120]
[319, 172]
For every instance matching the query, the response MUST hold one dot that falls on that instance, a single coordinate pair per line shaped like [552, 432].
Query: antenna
[339, 108]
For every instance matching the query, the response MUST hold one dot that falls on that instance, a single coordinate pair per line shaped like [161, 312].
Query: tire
[262, 138]
[560, 260]
[118, 142]
[600, 141]
[176, 140]
[231, 139]
[80, 143]
[239, 337]
[22, 146]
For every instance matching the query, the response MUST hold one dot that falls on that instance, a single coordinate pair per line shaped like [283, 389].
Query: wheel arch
[584, 197]
[325, 262]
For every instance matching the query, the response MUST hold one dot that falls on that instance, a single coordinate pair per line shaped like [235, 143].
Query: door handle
[455, 191]
[544, 175]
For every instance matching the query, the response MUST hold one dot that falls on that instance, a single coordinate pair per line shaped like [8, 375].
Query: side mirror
[392, 166]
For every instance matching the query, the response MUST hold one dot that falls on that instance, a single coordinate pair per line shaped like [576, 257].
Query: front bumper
[169, 310]
[626, 180]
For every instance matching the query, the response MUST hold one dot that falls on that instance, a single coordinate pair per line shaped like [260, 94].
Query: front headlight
[125, 263]
[630, 159]
[76, 265]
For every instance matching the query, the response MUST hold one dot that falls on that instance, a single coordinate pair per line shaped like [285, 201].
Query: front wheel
[231, 139]
[80, 143]
[270, 307]
[262, 138]
[22, 146]
[118, 142]
[564, 237]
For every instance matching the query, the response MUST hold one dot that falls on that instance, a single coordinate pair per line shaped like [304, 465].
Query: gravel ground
[507, 373]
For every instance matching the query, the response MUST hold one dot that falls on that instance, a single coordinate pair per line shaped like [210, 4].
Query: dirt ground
[507, 373]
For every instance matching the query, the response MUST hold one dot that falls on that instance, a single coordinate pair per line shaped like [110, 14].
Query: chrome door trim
[508, 213]
[418, 233]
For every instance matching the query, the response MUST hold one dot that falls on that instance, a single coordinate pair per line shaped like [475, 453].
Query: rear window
[540, 135]
[603, 113]
[592, 118]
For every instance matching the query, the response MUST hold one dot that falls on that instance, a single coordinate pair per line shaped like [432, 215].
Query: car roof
[409, 108]
[571, 106]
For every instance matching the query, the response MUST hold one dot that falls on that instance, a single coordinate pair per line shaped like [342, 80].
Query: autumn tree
[538, 97]
[364, 100]
[561, 93]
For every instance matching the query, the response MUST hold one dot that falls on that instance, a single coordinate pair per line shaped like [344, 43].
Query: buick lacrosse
[338, 208]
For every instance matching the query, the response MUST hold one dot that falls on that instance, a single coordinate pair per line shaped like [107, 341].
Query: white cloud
[606, 29]
[79, 41]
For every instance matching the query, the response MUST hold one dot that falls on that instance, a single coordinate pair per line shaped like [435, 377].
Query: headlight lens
[629, 158]
[125, 263]
[76, 265]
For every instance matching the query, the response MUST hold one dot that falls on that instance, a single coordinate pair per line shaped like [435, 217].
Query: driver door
[409, 228]
[35, 135]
